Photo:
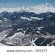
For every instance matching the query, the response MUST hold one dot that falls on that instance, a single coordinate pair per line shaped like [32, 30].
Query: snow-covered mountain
[26, 26]
[36, 9]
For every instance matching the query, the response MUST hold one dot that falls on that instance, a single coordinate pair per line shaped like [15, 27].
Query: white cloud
[36, 9]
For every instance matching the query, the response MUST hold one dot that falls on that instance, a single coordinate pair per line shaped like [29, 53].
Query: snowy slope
[15, 30]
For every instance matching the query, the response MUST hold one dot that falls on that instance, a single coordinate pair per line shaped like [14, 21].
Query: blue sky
[14, 3]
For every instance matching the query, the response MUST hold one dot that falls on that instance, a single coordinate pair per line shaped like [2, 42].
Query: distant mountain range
[36, 9]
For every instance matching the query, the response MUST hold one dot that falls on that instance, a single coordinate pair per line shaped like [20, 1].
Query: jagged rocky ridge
[28, 28]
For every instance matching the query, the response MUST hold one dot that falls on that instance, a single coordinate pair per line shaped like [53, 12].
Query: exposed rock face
[28, 28]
